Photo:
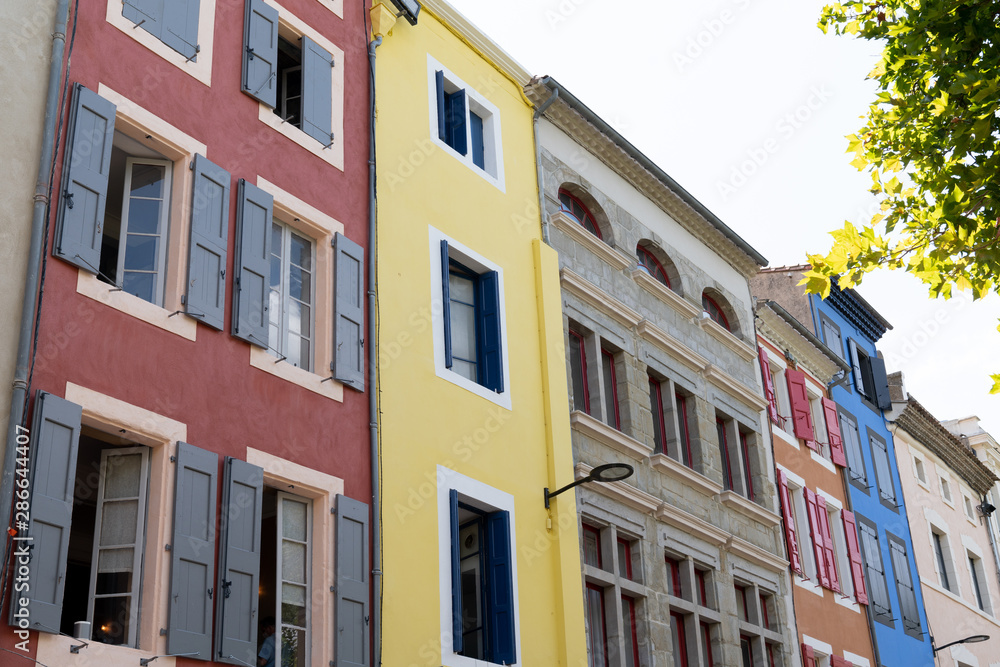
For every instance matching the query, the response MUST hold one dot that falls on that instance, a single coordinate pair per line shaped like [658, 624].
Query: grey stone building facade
[684, 561]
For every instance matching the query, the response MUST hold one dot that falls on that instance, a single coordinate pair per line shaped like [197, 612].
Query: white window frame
[834, 511]
[279, 348]
[475, 262]
[978, 577]
[947, 494]
[200, 68]
[488, 499]
[809, 578]
[291, 25]
[138, 546]
[968, 508]
[492, 137]
[936, 524]
[920, 463]
[163, 224]
[279, 580]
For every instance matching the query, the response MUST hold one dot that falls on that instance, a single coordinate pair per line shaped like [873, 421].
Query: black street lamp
[974, 639]
[609, 472]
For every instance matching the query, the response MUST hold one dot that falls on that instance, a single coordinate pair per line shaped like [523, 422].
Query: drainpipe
[993, 542]
[373, 376]
[31, 282]
[538, 163]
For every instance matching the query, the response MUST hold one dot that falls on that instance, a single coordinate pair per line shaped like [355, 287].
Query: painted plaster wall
[434, 430]
[892, 644]
[952, 614]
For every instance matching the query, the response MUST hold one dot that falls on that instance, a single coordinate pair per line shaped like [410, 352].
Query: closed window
[597, 628]
[578, 372]
[871, 553]
[678, 637]
[592, 546]
[852, 445]
[472, 319]
[883, 471]
[610, 377]
[831, 335]
[629, 635]
[482, 580]
[942, 557]
[651, 265]
[659, 422]
[737, 453]
[175, 23]
[613, 636]
[904, 586]
[291, 296]
[714, 310]
[694, 625]
[575, 209]
[681, 408]
[979, 587]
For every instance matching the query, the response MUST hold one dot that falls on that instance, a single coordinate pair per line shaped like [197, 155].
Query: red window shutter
[837, 661]
[786, 513]
[857, 567]
[817, 538]
[808, 656]
[833, 430]
[829, 557]
[801, 415]
[772, 401]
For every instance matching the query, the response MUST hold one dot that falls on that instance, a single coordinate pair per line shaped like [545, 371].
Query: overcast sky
[746, 104]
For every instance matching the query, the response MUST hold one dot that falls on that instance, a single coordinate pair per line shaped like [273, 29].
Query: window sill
[672, 346]
[89, 286]
[735, 501]
[262, 360]
[583, 423]
[622, 492]
[617, 259]
[734, 387]
[727, 338]
[598, 298]
[822, 460]
[755, 554]
[682, 473]
[847, 602]
[808, 585]
[665, 294]
[332, 155]
[55, 650]
[789, 440]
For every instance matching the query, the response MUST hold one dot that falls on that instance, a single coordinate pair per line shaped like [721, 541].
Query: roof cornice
[778, 326]
[928, 431]
[860, 313]
[576, 119]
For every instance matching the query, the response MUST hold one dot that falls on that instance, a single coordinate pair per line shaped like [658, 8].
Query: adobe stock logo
[711, 31]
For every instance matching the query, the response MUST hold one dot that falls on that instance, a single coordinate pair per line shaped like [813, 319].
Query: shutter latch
[68, 196]
[209, 593]
[250, 52]
[225, 589]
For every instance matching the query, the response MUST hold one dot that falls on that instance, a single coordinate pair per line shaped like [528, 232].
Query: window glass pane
[471, 591]
[115, 572]
[591, 546]
[656, 406]
[624, 559]
[112, 620]
[678, 640]
[747, 650]
[144, 216]
[942, 569]
[598, 656]
[147, 180]
[576, 364]
[293, 519]
[300, 252]
[293, 646]
[119, 522]
[682, 423]
[610, 389]
[139, 284]
[463, 331]
[707, 659]
[122, 476]
[628, 630]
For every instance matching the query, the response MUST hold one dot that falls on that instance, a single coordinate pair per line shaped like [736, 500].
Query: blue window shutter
[352, 571]
[239, 562]
[192, 552]
[446, 303]
[260, 52]
[317, 91]
[500, 589]
[881, 382]
[55, 436]
[349, 313]
[490, 336]
[455, 108]
[442, 111]
[457, 642]
[478, 148]
[252, 264]
[206, 286]
[146, 14]
[180, 26]
[86, 167]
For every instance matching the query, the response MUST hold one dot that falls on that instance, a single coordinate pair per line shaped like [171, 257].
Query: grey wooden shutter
[192, 552]
[86, 167]
[54, 442]
[317, 91]
[252, 264]
[260, 52]
[206, 287]
[146, 14]
[239, 562]
[180, 27]
[351, 640]
[881, 382]
[349, 313]
[859, 378]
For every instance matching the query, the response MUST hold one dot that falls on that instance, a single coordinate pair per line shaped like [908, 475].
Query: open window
[870, 379]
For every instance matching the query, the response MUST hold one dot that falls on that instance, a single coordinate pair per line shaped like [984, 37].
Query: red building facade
[198, 457]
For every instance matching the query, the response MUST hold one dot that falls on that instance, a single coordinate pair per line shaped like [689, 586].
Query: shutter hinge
[333, 589]
[250, 52]
[333, 62]
[184, 299]
[68, 196]
[173, 459]
[333, 510]
[209, 593]
[191, 165]
[167, 547]
[163, 632]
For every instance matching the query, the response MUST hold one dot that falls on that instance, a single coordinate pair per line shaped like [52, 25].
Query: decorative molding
[734, 387]
[685, 475]
[575, 230]
[620, 491]
[672, 346]
[583, 423]
[755, 554]
[727, 338]
[573, 283]
[684, 307]
[691, 524]
[736, 502]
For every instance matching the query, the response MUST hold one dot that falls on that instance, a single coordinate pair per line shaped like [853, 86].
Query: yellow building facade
[472, 380]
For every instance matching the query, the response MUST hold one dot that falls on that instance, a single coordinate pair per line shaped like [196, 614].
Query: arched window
[714, 311]
[651, 265]
[574, 208]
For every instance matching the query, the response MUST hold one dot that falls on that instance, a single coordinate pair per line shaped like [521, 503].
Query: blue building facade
[851, 327]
